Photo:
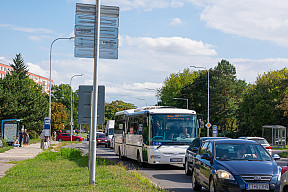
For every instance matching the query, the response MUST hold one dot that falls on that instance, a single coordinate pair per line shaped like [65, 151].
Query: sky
[156, 38]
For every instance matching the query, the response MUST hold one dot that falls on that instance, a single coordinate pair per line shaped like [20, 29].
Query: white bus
[155, 134]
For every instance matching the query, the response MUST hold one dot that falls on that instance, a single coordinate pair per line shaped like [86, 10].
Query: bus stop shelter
[275, 135]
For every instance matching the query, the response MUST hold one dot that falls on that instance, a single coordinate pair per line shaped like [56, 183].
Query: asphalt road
[171, 178]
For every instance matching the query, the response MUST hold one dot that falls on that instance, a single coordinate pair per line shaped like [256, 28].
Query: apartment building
[44, 82]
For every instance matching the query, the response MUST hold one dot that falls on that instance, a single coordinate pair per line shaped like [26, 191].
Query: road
[171, 178]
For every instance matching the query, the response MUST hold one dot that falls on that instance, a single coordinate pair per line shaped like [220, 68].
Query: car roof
[206, 138]
[251, 138]
[235, 141]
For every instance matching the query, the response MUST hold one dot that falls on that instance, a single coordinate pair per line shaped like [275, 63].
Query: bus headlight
[155, 156]
[222, 174]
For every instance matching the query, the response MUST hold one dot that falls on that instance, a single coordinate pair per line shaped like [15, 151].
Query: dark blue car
[234, 165]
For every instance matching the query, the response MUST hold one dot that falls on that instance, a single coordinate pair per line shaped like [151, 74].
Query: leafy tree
[115, 106]
[58, 116]
[264, 103]
[173, 85]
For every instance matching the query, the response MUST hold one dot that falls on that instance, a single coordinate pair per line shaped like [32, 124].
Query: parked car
[261, 141]
[192, 151]
[284, 179]
[67, 137]
[235, 165]
[101, 138]
[1, 143]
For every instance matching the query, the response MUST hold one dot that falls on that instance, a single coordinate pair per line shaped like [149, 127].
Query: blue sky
[157, 38]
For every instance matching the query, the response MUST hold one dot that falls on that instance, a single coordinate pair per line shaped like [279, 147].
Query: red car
[67, 137]
[101, 138]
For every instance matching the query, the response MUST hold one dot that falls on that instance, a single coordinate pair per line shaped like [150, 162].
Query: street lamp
[182, 99]
[143, 100]
[208, 123]
[71, 123]
[50, 71]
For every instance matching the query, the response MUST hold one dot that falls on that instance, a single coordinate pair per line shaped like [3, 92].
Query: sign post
[214, 130]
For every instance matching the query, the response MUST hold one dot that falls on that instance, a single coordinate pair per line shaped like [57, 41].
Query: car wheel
[195, 184]
[60, 140]
[211, 185]
[187, 170]
[77, 139]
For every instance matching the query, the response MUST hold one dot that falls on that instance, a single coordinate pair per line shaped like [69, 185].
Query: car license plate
[176, 160]
[257, 186]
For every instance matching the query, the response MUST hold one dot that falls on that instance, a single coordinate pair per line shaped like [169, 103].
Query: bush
[5, 143]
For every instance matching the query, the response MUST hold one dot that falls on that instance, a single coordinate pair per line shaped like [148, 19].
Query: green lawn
[67, 171]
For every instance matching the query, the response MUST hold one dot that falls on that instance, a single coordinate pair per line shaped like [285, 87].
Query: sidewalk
[18, 154]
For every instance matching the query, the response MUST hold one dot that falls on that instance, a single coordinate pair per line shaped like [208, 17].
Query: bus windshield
[173, 128]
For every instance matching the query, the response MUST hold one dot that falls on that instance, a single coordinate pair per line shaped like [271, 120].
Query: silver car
[261, 141]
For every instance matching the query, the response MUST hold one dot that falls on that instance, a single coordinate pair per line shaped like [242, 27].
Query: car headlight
[155, 156]
[222, 174]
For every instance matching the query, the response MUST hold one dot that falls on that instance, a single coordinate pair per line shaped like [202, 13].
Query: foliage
[264, 103]
[22, 98]
[115, 106]
[19, 66]
[172, 86]
[58, 116]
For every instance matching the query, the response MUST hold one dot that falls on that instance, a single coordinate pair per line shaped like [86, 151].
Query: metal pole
[208, 103]
[50, 71]
[95, 93]
[71, 122]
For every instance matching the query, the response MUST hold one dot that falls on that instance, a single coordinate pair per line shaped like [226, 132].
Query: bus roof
[156, 110]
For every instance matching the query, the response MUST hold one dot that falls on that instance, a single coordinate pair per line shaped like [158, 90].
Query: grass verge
[7, 148]
[67, 170]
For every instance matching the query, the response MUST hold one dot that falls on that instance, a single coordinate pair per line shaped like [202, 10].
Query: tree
[173, 85]
[19, 66]
[58, 116]
[115, 106]
[22, 98]
[264, 103]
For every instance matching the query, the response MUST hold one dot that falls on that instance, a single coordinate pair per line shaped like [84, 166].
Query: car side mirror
[276, 157]
[195, 149]
[206, 156]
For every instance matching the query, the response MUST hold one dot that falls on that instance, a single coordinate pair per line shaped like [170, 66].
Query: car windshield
[173, 128]
[101, 136]
[261, 141]
[240, 152]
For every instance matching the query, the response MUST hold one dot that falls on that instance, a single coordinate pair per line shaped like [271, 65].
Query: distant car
[67, 137]
[192, 150]
[235, 165]
[284, 179]
[261, 141]
[101, 138]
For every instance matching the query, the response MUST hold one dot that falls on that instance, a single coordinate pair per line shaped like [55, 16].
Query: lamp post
[71, 122]
[142, 100]
[208, 123]
[50, 71]
[182, 99]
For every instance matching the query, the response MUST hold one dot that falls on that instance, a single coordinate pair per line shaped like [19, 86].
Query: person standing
[20, 138]
[25, 137]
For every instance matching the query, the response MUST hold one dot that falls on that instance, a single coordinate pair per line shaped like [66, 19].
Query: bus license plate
[176, 160]
[257, 186]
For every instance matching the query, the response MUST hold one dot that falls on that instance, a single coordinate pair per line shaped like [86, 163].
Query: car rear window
[260, 141]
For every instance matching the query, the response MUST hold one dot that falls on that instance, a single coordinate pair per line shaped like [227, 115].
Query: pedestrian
[25, 137]
[42, 137]
[20, 138]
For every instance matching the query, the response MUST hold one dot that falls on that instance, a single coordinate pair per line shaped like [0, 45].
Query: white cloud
[257, 19]
[38, 38]
[25, 29]
[169, 45]
[175, 21]
[147, 5]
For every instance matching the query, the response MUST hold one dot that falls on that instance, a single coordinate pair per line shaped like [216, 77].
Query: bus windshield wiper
[159, 146]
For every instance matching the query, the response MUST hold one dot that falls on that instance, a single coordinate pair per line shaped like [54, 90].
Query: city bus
[155, 134]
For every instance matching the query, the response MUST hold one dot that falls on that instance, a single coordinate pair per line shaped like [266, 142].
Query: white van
[109, 131]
